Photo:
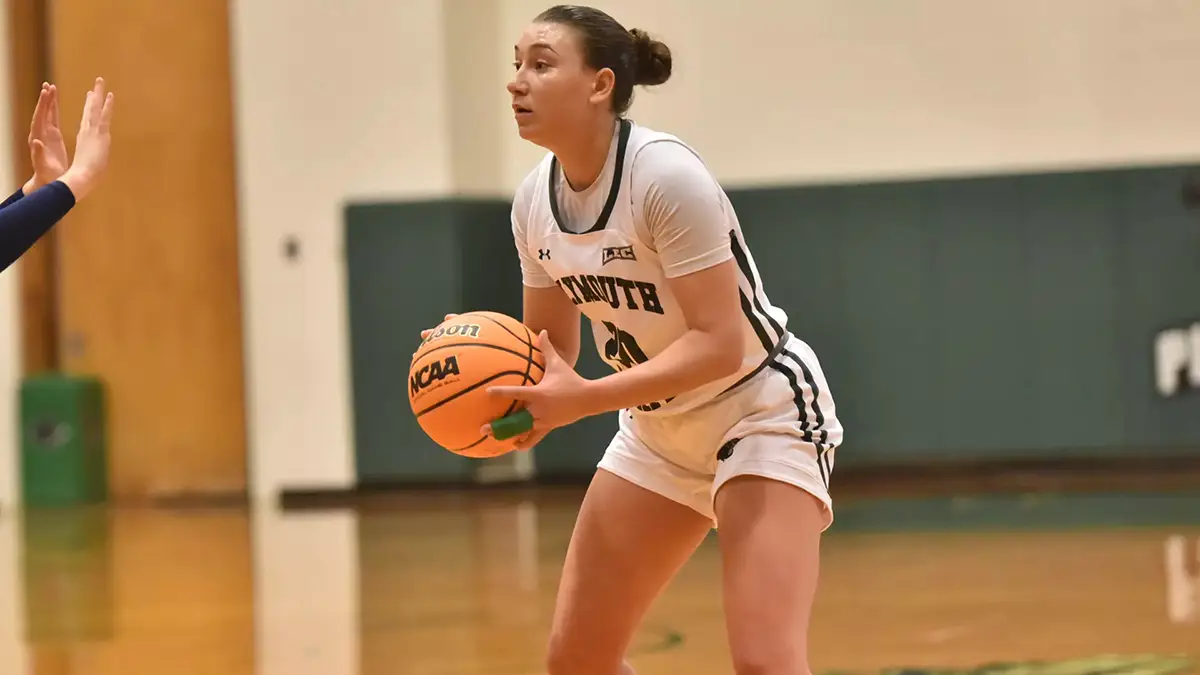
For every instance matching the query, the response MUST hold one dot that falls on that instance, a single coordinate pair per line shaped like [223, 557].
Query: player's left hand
[47, 150]
[559, 399]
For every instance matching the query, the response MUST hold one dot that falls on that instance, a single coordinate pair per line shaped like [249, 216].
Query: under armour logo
[726, 451]
[543, 254]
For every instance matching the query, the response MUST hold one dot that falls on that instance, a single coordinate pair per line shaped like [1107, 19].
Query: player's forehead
[545, 37]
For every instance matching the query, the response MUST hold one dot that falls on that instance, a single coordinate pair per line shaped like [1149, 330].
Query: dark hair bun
[652, 63]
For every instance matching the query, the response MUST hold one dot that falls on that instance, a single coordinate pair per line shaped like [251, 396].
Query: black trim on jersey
[752, 305]
[815, 433]
[755, 322]
[771, 356]
[816, 392]
[613, 191]
[755, 314]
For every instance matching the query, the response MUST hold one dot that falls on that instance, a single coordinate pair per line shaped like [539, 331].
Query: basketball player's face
[552, 88]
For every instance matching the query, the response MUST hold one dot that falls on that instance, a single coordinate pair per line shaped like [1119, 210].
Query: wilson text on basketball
[463, 329]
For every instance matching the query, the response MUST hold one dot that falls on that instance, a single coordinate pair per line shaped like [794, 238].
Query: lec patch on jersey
[611, 253]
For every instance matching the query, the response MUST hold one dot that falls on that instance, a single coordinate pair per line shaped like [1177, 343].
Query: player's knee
[769, 660]
[561, 661]
[576, 657]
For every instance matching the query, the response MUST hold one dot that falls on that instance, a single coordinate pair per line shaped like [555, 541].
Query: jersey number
[623, 351]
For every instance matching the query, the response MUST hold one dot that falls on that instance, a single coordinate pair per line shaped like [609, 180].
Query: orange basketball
[452, 370]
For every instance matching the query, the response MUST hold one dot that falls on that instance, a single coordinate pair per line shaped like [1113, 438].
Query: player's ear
[602, 85]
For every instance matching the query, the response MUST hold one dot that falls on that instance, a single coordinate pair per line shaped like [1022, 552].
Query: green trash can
[64, 454]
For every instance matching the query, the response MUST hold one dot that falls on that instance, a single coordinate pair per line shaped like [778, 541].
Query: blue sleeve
[24, 219]
[12, 198]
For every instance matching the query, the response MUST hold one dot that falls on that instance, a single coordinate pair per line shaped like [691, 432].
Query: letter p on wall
[1177, 360]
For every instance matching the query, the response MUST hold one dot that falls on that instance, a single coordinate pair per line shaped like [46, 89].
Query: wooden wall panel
[28, 69]
[148, 265]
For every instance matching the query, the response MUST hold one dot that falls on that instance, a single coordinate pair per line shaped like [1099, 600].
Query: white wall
[10, 381]
[10, 314]
[388, 98]
[779, 91]
[334, 101]
[14, 657]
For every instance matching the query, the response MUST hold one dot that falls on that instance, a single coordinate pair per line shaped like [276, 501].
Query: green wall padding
[989, 317]
[975, 318]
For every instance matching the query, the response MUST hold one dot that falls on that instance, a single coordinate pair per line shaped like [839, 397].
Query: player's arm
[544, 305]
[27, 215]
[25, 218]
[684, 212]
[548, 308]
[710, 349]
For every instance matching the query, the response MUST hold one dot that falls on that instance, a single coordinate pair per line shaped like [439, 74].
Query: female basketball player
[725, 417]
[57, 184]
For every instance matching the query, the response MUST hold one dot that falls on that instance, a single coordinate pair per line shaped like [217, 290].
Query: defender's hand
[92, 143]
[47, 150]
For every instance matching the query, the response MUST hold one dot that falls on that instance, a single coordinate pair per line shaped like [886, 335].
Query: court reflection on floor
[467, 586]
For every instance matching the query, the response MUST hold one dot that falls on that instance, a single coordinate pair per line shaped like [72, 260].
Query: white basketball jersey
[611, 271]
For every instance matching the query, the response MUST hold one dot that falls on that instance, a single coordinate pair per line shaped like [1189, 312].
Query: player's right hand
[429, 331]
[528, 440]
[92, 143]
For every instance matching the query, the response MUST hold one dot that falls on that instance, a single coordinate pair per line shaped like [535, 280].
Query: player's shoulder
[659, 152]
[664, 161]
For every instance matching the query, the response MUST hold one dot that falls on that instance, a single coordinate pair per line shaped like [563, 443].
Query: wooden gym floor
[463, 583]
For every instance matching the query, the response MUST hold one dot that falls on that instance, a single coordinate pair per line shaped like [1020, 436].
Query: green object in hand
[512, 425]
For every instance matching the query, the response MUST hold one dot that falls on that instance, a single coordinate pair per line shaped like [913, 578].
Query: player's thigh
[772, 505]
[627, 545]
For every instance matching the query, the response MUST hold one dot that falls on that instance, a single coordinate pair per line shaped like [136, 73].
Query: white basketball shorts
[779, 424]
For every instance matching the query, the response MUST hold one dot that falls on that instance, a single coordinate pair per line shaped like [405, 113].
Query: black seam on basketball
[484, 345]
[506, 329]
[511, 407]
[529, 359]
[524, 378]
[467, 390]
[528, 342]
[468, 447]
